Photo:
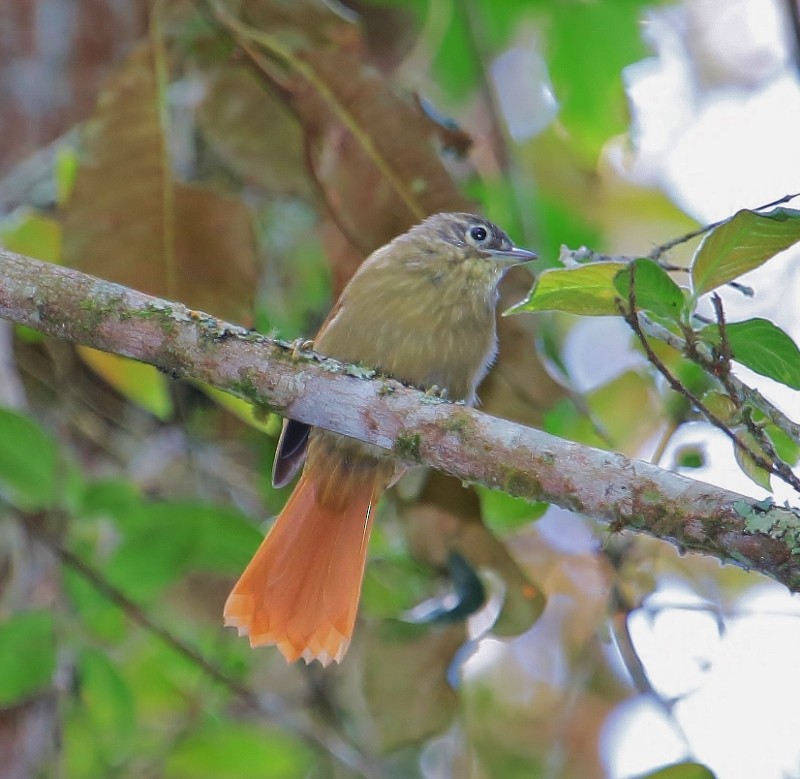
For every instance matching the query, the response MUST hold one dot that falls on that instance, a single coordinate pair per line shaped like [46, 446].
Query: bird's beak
[511, 257]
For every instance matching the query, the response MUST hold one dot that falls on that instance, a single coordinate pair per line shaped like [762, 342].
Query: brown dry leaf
[128, 221]
[253, 131]
[447, 518]
[405, 680]
[377, 181]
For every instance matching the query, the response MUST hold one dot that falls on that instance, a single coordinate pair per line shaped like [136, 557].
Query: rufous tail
[302, 587]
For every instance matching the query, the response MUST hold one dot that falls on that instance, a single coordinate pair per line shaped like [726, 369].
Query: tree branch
[458, 440]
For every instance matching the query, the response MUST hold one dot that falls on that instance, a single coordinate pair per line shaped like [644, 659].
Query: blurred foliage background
[243, 156]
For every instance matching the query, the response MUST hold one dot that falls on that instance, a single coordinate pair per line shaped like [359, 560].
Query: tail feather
[302, 587]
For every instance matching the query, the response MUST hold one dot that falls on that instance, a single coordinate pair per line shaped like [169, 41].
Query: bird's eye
[478, 234]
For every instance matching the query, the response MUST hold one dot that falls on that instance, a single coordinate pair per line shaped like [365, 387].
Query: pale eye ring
[478, 235]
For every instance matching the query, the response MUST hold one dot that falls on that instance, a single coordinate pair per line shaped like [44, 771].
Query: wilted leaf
[588, 290]
[763, 347]
[28, 656]
[741, 244]
[399, 652]
[654, 290]
[377, 182]
[448, 519]
[253, 131]
[128, 221]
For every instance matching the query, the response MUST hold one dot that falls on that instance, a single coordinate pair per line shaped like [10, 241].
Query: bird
[420, 309]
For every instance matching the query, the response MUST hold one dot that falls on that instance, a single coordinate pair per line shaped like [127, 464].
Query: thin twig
[793, 7]
[632, 319]
[665, 247]
[265, 705]
[700, 353]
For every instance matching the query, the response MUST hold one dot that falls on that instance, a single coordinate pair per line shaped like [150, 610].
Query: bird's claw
[435, 391]
[299, 345]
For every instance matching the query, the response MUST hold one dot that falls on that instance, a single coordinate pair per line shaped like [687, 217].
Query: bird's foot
[435, 391]
[300, 345]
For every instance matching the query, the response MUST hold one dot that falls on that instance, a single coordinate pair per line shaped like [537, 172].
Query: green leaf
[741, 244]
[588, 290]
[763, 347]
[680, 771]
[653, 288]
[230, 751]
[504, 513]
[99, 615]
[158, 542]
[108, 703]
[755, 472]
[785, 446]
[28, 459]
[689, 457]
[28, 656]
[108, 497]
[588, 45]
[163, 540]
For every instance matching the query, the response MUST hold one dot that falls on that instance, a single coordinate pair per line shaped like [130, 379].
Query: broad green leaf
[503, 513]
[108, 704]
[763, 347]
[754, 471]
[106, 497]
[587, 46]
[588, 290]
[143, 384]
[654, 290]
[680, 771]
[237, 751]
[28, 656]
[28, 460]
[743, 243]
[162, 540]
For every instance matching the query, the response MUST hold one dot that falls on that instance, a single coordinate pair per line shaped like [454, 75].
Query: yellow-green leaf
[588, 290]
[743, 243]
[141, 383]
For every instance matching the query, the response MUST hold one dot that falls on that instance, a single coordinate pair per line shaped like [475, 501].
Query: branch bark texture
[348, 399]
